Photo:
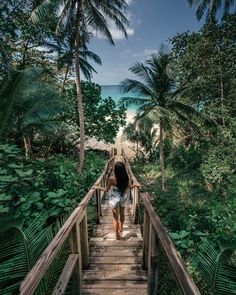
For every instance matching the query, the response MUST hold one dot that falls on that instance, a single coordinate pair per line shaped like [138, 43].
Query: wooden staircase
[99, 264]
[115, 266]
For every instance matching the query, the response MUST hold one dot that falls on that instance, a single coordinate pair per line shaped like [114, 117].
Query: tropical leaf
[216, 268]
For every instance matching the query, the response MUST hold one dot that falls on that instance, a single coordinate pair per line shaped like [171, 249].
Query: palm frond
[96, 20]
[137, 87]
[127, 101]
[216, 269]
[42, 11]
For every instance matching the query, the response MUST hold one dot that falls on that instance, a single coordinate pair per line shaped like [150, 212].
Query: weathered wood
[146, 231]
[136, 195]
[182, 276]
[114, 284]
[124, 275]
[75, 245]
[115, 267]
[115, 260]
[122, 252]
[98, 204]
[112, 291]
[65, 276]
[114, 243]
[152, 263]
[84, 242]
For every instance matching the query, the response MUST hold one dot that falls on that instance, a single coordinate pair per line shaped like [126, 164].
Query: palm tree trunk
[78, 90]
[162, 162]
[27, 147]
[65, 78]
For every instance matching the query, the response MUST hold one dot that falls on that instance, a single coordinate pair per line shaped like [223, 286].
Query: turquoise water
[114, 91]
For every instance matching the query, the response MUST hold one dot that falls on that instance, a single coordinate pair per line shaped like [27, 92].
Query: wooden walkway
[115, 266]
[103, 265]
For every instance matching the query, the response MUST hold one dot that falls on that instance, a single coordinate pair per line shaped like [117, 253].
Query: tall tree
[211, 7]
[157, 96]
[85, 15]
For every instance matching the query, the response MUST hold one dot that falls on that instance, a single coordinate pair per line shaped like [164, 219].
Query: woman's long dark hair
[122, 177]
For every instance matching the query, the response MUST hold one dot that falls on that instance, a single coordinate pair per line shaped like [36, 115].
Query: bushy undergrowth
[194, 214]
[29, 187]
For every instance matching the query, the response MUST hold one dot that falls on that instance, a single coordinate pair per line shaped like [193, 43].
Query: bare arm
[105, 189]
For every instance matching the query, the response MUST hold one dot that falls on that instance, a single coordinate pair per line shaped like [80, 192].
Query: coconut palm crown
[157, 96]
[211, 7]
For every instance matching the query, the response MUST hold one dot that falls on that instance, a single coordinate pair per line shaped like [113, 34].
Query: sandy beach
[120, 141]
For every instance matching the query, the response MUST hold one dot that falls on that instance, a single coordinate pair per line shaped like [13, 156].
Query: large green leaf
[217, 270]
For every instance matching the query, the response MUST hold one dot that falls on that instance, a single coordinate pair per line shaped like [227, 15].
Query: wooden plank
[146, 231]
[115, 284]
[183, 278]
[75, 245]
[65, 276]
[124, 275]
[114, 291]
[152, 263]
[120, 252]
[115, 267]
[84, 242]
[125, 226]
[115, 260]
[120, 243]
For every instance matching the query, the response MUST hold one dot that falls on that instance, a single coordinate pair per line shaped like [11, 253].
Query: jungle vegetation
[184, 133]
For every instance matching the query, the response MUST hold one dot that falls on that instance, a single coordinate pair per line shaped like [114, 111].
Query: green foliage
[218, 267]
[28, 187]
[219, 166]
[21, 245]
[28, 106]
[102, 118]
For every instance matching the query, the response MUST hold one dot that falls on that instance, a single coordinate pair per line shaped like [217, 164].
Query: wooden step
[124, 275]
[123, 252]
[114, 291]
[115, 260]
[110, 226]
[115, 267]
[120, 243]
[115, 284]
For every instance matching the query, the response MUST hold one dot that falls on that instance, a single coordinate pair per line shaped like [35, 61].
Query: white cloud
[146, 52]
[129, 2]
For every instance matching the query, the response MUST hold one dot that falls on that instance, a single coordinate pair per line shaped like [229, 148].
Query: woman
[117, 187]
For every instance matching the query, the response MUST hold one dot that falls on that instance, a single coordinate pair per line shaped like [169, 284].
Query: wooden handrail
[35, 275]
[152, 221]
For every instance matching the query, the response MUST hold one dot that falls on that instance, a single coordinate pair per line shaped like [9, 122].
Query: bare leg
[122, 218]
[115, 212]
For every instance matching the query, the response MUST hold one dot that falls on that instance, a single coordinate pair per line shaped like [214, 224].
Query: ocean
[114, 91]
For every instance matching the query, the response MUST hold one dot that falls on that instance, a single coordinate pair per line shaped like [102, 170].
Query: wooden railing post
[75, 243]
[98, 204]
[84, 241]
[146, 232]
[152, 262]
[136, 197]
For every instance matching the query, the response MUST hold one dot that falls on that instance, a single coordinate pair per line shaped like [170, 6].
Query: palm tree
[85, 15]
[157, 96]
[28, 107]
[210, 7]
[65, 50]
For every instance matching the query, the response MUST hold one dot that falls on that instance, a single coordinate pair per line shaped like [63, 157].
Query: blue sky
[152, 22]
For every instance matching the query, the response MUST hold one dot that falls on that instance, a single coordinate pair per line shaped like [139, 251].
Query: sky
[152, 23]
